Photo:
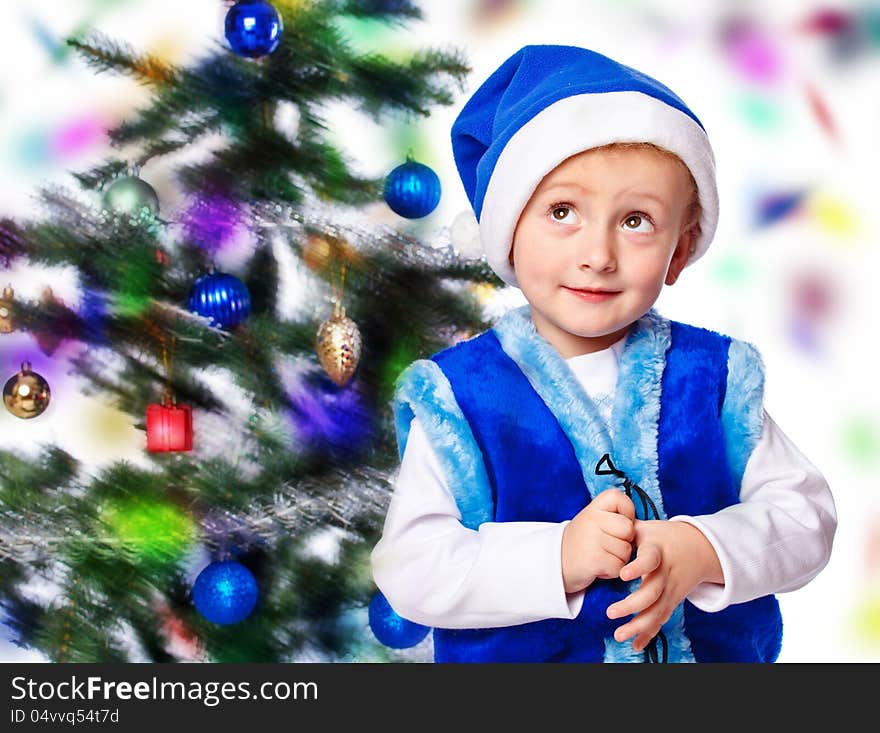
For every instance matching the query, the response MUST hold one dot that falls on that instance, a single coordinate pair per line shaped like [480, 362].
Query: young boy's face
[603, 219]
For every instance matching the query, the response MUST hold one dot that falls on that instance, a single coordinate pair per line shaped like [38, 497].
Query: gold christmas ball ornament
[26, 394]
[339, 346]
[7, 310]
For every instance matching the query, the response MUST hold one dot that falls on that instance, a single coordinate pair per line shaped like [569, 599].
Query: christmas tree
[267, 429]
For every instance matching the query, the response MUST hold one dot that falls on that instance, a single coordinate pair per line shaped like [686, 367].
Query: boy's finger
[642, 640]
[625, 506]
[642, 633]
[647, 560]
[621, 549]
[614, 500]
[637, 601]
[641, 627]
[618, 526]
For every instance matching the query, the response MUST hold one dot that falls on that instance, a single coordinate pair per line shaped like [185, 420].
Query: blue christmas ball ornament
[412, 190]
[225, 592]
[253, 28]
[223, 298]
[392, 629]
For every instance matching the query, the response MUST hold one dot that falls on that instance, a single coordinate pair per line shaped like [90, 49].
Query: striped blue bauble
[412, 190]
[221, 297]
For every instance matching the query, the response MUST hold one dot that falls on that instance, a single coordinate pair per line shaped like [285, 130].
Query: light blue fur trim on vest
[742, 414]
[424, 391]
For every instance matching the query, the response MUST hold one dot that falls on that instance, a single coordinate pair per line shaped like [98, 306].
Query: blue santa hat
[547, 103]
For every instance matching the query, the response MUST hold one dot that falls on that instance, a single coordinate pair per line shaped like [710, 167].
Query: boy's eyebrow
[570, 184]
[641, 194]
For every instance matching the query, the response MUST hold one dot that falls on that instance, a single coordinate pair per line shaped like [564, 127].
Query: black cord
[629, 486]
[651, 655]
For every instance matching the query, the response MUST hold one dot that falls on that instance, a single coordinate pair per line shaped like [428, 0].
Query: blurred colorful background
[789, 93]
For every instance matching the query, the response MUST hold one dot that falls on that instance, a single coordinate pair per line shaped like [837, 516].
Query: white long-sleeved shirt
[437, 572]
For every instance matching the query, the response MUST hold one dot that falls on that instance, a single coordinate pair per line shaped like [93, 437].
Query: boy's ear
[683, 250]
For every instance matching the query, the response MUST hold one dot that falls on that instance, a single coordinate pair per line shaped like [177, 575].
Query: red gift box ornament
[169, 426]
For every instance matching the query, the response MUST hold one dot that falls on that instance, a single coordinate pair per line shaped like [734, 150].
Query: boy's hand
[672, 559]
[597, 542]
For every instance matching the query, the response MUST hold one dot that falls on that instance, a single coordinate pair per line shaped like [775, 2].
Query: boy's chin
[609, 334]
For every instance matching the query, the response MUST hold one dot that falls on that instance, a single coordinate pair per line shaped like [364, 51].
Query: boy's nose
[597, 250]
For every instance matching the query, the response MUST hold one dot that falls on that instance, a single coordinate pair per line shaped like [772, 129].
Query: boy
[588, 481]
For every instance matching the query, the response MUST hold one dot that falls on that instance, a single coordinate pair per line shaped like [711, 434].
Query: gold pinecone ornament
[7, 310]
[339, 346]
[26, 394]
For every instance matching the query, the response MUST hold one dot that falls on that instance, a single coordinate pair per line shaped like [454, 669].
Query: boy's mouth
[592, 290]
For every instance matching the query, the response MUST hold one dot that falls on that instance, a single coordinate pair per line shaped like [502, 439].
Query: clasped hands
[671, 558]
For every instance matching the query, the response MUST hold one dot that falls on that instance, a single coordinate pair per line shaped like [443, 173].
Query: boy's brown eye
[563, 212]
[640, 223]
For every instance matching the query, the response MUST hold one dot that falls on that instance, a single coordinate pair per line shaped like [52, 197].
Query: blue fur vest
[524, 442]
